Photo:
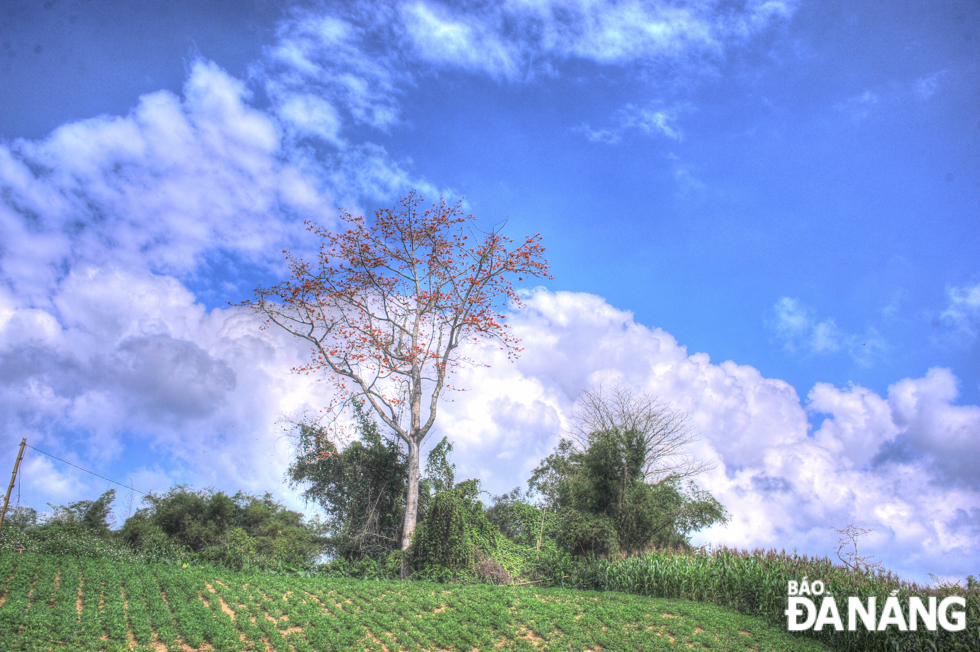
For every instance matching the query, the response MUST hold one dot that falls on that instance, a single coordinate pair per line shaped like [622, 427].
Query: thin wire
[86, 470]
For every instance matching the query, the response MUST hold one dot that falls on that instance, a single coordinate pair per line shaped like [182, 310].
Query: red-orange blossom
[387, 303]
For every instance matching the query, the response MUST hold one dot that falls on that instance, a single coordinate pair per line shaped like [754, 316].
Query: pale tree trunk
[411, 501]
[415, 436]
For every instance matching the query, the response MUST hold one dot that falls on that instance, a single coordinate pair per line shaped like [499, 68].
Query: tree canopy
[624, 485]
[387, 304]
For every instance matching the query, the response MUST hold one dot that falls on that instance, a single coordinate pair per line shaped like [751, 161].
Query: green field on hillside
[62, 603]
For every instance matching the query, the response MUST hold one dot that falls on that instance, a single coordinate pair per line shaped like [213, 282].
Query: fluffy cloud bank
[902, 464]
[129, 362]
[126, 368]
[104, 352]
[156, 188]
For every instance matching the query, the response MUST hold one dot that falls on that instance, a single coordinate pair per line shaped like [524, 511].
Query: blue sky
[764, 212]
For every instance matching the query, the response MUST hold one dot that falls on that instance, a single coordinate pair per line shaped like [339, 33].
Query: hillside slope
[61, 603]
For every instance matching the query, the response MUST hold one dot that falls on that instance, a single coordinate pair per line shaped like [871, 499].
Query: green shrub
[237, 551]
[583, 533]
[181, 527]
[20, 518]
[80, 529]
[453, 529]
[516, 518]
[362, 488]
[66, 542]
[365, 568]
[605, 504]
[240, 531]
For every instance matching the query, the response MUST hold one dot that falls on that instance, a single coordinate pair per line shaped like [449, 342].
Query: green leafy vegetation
[80, 529]
[179, 527]
[605, 506]
[59, 603]
[361, 489]
[623, 488]
[620, 481]
[237, 531]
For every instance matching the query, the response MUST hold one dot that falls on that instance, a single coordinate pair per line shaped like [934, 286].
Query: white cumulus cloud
[156, 188]
[900, 463]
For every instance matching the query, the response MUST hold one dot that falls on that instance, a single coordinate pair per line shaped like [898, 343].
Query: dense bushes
[237, 531]
[180, 526]
[361, 488]
[80, 529]
[516, 519]
[595, 502]
[454, 530]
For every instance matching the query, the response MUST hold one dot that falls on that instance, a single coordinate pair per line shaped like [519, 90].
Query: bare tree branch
[664, 428]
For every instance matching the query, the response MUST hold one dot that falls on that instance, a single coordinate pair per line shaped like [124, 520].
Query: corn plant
[756, 583]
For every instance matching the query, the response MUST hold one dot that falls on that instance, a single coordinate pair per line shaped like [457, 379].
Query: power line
[86, 470]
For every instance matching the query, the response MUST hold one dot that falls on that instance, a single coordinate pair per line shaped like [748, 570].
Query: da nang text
[803, 613]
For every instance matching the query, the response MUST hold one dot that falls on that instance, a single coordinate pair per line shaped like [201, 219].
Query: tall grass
[756, 582]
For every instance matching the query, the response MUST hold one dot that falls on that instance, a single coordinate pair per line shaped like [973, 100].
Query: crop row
[60, 603]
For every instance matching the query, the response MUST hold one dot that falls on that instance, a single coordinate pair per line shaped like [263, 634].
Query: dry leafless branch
[664, 428]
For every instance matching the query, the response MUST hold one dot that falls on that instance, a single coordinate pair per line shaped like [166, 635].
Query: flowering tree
[386, 305]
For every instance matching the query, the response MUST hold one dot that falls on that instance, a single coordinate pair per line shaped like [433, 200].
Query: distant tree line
[618, 484]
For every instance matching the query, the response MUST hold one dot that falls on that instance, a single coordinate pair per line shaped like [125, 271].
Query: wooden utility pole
[13, 478]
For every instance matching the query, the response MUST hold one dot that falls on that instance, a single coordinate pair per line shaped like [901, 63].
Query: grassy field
[62, 603]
